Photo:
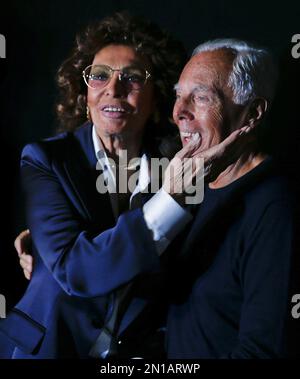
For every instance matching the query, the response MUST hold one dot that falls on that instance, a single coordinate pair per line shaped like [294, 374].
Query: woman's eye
[133, 78]
[101, 77]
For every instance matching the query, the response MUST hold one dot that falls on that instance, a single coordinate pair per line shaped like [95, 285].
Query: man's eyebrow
[199, 87]
[203, 87]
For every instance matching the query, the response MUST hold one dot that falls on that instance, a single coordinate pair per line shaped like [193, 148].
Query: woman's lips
[114, 112]
[114, 115]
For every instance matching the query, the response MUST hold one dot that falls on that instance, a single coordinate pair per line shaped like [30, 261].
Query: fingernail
[242, 131]
[245, 130]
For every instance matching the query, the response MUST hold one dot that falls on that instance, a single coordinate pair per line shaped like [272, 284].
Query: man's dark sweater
[231, 279]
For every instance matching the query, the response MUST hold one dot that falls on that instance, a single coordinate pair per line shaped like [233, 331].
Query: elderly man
[230, 281]
[228, 271]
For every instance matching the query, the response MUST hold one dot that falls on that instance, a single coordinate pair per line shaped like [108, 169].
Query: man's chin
[186, 140]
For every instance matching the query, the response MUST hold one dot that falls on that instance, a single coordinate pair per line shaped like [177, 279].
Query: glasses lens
[97, 76]
[133, 78]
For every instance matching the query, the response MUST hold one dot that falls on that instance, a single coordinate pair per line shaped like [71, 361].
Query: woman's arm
[83, 264]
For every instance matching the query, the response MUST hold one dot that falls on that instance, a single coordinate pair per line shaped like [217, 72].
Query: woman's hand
[181, 173]
[23, 247]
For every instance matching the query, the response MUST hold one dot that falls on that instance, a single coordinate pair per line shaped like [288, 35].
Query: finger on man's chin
[193, 144]
[18, 246]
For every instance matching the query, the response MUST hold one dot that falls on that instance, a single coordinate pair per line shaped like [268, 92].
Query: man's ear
[257, 111]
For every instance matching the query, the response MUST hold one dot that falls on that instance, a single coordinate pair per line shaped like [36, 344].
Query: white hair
[254, 72]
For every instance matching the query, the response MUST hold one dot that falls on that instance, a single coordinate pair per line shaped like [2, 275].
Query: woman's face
[117, 111]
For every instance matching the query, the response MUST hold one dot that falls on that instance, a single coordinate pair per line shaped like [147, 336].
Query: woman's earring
[88, 116]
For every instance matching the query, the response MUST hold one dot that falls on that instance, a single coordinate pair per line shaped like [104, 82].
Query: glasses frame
[111, 70]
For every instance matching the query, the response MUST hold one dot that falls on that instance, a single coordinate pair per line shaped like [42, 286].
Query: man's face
[204, 101]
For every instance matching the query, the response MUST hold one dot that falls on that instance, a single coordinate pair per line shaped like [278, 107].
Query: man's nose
[114, 87]
[185, 114]
[184, 111]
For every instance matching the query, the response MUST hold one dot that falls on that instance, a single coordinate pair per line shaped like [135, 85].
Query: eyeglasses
[98, 76]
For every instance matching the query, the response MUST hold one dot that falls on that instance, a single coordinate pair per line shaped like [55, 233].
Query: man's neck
[246, 163]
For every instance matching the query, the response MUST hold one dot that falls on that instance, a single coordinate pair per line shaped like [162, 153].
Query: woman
[85, 244]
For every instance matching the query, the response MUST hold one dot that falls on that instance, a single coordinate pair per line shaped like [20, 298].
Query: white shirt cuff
[165, 218]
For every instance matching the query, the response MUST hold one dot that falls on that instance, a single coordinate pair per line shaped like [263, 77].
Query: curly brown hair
[165, 54]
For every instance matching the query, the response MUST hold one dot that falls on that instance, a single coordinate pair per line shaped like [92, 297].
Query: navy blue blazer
[81, 254]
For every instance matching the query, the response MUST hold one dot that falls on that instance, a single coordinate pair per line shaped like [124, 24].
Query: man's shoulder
[263, 190]
[273, 187]
[271, 198]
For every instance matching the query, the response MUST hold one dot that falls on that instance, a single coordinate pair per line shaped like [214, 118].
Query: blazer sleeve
[83, 264]
[265, 278]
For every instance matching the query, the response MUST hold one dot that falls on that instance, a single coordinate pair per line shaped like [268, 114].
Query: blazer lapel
[80, 167]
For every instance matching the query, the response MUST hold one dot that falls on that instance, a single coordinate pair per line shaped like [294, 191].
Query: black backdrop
[39, 35]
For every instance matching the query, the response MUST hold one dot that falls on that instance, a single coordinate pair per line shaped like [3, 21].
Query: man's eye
[201, 98]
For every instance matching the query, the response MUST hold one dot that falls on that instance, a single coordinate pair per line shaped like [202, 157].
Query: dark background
[39, 35]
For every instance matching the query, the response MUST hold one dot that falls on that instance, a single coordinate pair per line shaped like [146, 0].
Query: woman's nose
[114, 87]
